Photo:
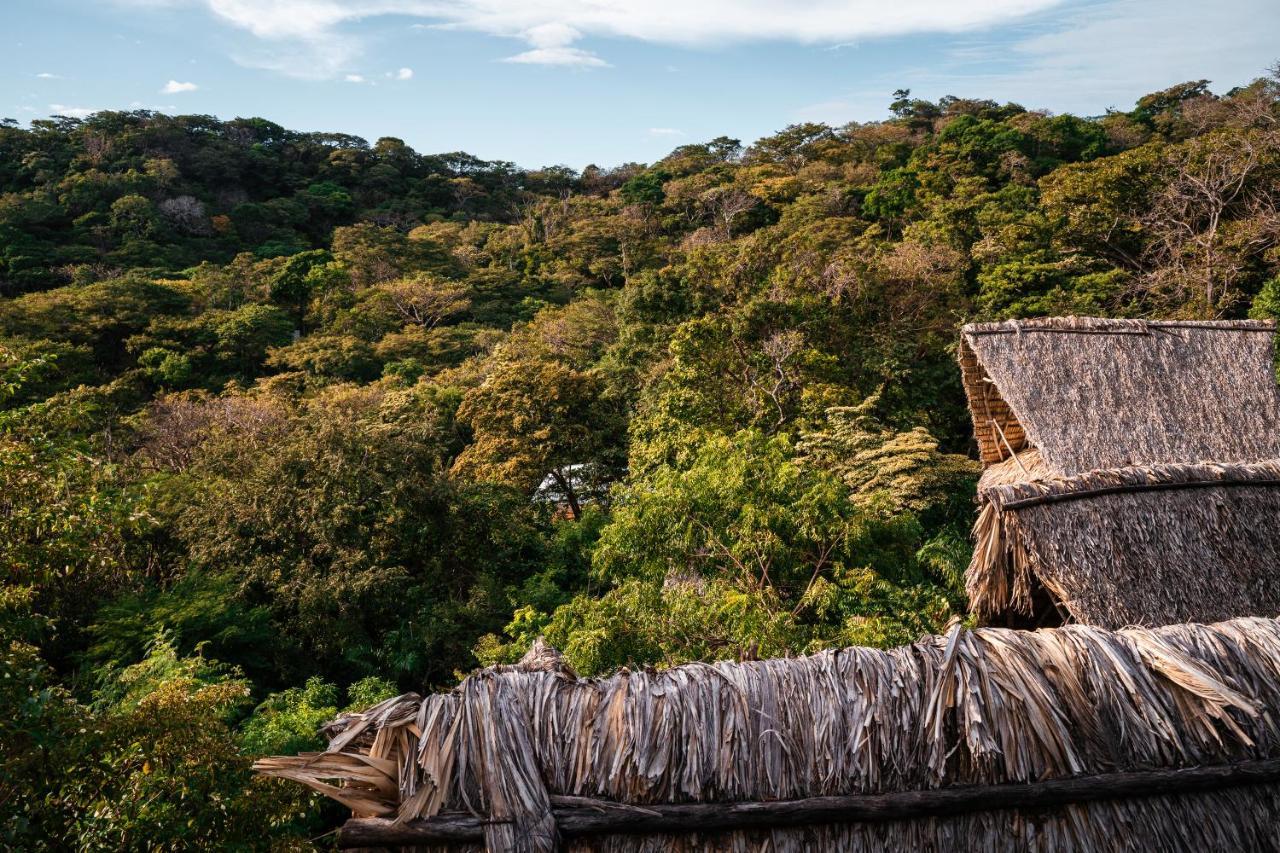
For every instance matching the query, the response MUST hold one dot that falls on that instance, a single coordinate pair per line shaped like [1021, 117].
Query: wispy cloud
[71, 112]
[173, 87]
[553, 45]
[1084, 58]
[45, 75]
[574, 56]
[1126, 48]
[354, 78]
[665, 131]
[308, 38]
[404, 74]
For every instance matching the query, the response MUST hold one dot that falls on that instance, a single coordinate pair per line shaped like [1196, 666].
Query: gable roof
[1094, 393]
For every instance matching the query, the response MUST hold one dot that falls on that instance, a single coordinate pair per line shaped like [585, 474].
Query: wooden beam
[579, 816]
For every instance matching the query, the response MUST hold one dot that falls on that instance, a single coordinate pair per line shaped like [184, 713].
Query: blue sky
[607, 81]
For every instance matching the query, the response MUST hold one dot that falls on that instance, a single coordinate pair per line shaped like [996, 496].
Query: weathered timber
[578, 816]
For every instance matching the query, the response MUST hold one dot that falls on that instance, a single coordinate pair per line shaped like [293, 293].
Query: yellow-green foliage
[886, 470]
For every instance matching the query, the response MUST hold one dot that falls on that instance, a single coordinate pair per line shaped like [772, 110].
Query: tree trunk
[572, 499]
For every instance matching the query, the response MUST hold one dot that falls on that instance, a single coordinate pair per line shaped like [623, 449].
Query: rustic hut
[1074, 738]
[1131, 471]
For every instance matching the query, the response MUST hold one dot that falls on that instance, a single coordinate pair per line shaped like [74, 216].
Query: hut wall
[1151, 557]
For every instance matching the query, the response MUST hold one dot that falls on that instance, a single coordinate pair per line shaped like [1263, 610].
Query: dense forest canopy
[290, 422]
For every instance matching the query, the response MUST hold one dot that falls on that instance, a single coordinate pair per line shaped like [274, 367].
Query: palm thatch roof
[1131, 470]
[1094, 394]
[531, 756]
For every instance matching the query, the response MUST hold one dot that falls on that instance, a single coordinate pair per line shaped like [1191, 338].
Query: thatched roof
[1095, 394]
[1132, 471]
[985, 707]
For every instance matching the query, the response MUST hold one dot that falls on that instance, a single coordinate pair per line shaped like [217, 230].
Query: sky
[573, 82]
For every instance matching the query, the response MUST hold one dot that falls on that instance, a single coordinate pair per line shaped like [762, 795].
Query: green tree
[133, 216]
[290, 288]
[742, 552]
[888, 471]
[645, 188]
[533, 419]
[339, 520]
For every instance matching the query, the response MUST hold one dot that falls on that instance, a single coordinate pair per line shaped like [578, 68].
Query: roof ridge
[1133, 478]
[1110, 325]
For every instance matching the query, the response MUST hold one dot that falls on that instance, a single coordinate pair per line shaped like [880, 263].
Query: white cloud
[665, 131]
[45, 75]
[404, 74]
[173, 87]
[552, 45]
[320, 60]
[306, 38]
[354, 78]
[559, 56]
[553, 34]
[667, 21]
[71, 112]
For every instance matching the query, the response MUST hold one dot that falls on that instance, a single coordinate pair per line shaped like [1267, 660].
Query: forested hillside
[290, 422]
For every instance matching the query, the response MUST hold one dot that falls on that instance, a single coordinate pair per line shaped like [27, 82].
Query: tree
[339, 519]
[72, 525]
[153, 762]
[244, 337]
[133, 217]
[726, 205]
[793, 146]
[426, 300]
[537, 418]
[914, 112]
[1187, 220]
[373, 254]
[187, 214]
[1218, 208]
[645, 188]
[743, 552]
[290, 287]
[888, 471]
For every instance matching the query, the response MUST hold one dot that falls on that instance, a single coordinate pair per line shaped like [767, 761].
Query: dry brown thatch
[1097, 394]
[973, 707]
[1133, 546]
[1098, 504]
